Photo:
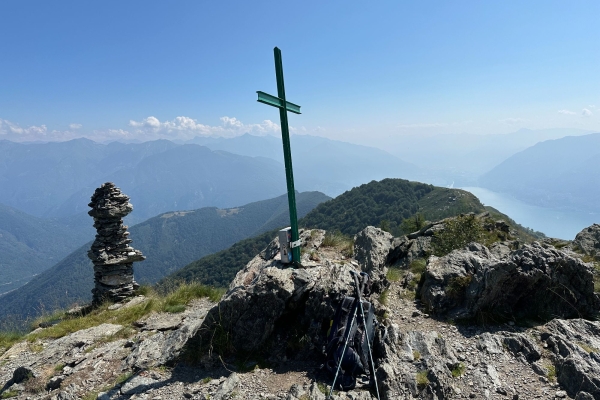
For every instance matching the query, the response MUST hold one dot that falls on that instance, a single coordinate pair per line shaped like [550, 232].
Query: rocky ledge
[504, 322]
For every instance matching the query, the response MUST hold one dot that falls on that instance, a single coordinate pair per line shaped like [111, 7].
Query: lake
[558, 223]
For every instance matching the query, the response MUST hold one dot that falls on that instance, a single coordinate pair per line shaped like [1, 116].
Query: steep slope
[30, 245]
[556, 173]
[392, 200]
[169, 241]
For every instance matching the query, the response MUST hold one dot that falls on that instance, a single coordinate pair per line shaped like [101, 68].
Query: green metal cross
[285, 106]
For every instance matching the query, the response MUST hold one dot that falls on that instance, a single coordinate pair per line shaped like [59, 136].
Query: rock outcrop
[536, 281]
[588, 241]
[111, 253]
[264, 338]
[267, 295]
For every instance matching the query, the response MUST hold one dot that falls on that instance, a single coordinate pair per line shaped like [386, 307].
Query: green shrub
[422, 379]
[458, 370]
[413, 224]
[384, 225]
[457, 233]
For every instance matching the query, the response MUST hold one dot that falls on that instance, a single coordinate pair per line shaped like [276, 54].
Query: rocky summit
[111, 253]
[489, 320]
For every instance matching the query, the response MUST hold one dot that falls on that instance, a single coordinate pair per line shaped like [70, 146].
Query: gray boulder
[371, 248]
[164, 346]
[405, 250]
[415, 364]
[588, 241]
[576, 347]
[535, 281]
[267, 294]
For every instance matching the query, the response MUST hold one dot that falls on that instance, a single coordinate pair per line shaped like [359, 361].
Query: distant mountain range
[461, 158]
[57, 179]
[169, 241]
[329, 166]
[561, 173]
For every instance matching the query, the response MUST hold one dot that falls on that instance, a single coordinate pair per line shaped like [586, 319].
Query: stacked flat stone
[111, 254]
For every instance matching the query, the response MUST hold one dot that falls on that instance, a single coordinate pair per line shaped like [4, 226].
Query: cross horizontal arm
[277, 102]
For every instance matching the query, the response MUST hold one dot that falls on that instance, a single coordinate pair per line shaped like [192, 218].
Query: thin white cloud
[184, 128]
[512, 121]
[422, 125]
[586, 112]
[567, 112]
[8, 128]
[150, 128]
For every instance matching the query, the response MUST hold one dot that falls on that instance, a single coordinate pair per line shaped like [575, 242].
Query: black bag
[356, 357]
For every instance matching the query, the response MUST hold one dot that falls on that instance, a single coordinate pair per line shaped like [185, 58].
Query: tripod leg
[370, 351]
[348, 330]
[362, 311]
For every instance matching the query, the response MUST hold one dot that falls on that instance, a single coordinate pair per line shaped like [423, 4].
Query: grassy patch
[35, 347]
[9, 393]
[188, 291]
[408, 294]
[90, 396]
[47, 320]
[418, 265]
[125, 316]
[123, 378]
[337, 240]
[383, 297]
[416, 354]
[8, 339]
[322, 388]
[587, 347]
[422, 379]
[393, 274]
[551, 373]
[458, 370]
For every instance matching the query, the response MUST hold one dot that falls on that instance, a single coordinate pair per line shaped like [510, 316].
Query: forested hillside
[390, 201]
[30, 245]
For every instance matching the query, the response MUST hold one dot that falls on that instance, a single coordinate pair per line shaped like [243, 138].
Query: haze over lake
[558, 223]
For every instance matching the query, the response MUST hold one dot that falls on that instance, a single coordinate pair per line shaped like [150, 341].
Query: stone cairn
[111, 254]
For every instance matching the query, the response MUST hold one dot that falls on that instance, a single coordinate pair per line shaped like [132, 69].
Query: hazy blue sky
[360, 71]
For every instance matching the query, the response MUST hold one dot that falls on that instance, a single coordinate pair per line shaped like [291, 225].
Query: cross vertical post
[285, 106]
